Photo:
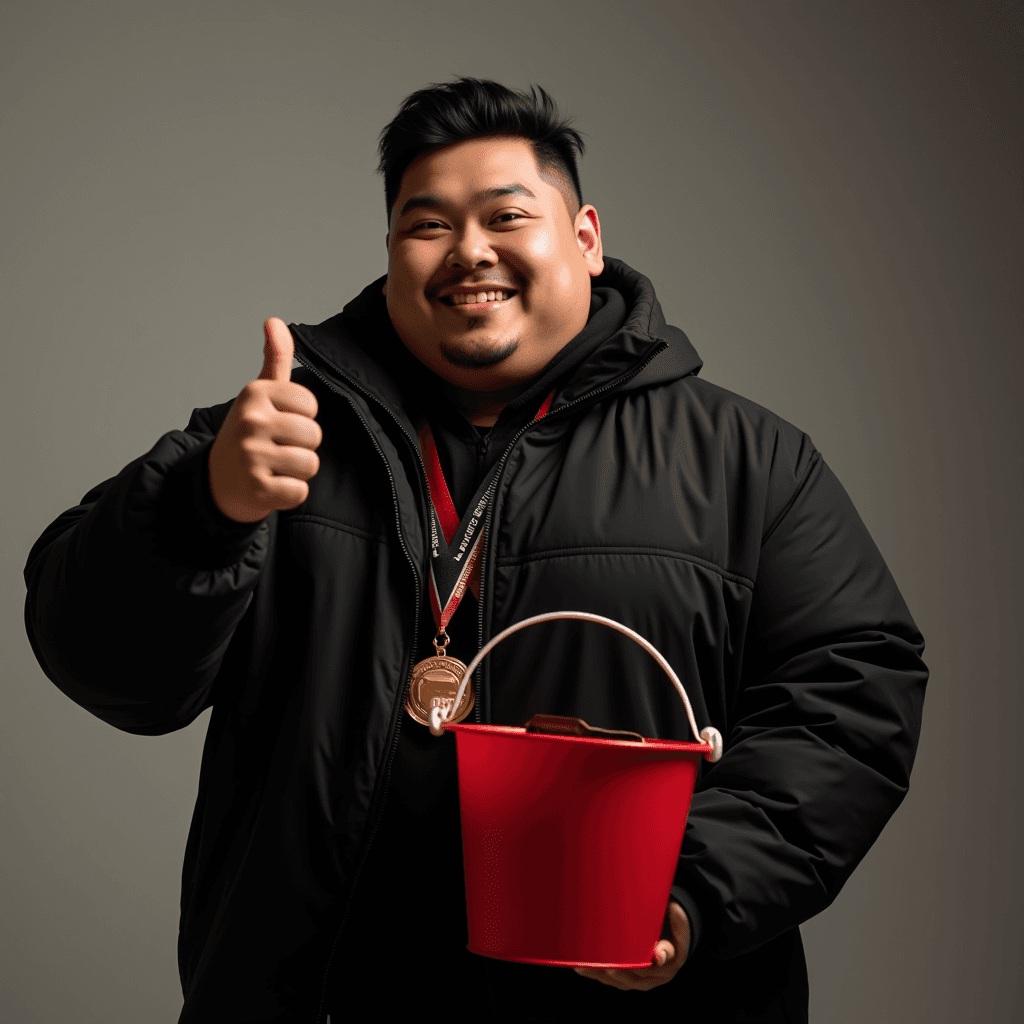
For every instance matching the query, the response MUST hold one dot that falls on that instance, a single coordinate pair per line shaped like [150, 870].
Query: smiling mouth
[477, 300]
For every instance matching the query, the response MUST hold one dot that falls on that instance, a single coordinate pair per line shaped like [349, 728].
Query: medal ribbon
[455, 545]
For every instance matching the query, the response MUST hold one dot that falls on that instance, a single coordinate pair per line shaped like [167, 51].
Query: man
[294, 558]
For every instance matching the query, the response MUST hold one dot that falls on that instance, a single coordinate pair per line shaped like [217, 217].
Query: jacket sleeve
[134, 594]
[823, 732]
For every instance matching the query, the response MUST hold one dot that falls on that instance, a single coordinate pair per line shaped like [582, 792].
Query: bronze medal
[435, 684]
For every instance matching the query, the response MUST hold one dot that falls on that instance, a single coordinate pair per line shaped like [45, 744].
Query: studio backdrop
[827, 199]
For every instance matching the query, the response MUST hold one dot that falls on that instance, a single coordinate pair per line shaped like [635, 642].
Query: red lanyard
[455, 544]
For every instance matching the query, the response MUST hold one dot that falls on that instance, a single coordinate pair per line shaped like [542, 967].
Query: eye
[429, 225]
[506, 218]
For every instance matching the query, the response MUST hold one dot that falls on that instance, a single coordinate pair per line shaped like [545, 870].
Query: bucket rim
[599, 965]
[682, 746]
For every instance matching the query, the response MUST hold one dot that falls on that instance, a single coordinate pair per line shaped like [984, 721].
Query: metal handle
[709, 735]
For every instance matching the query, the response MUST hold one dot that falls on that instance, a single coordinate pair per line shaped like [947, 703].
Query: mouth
[479, 300]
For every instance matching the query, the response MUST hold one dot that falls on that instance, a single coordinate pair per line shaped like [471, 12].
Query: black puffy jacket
[698, 518]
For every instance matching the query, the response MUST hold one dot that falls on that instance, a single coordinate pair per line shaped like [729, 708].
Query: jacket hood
[646, 319]
[360, 344]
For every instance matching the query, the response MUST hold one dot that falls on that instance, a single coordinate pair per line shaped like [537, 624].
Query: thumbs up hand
[266, 449]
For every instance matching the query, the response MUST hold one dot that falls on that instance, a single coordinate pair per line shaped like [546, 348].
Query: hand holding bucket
[571, 842]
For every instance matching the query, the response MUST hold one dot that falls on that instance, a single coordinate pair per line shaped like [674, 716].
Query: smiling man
[502, 425]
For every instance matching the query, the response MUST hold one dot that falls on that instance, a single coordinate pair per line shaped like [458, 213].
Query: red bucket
[571, 842]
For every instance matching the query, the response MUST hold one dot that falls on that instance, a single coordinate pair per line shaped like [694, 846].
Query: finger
[286, 396]
[606, 977]
[300, 431]
[647, 983]
[278, 350]
[664, 952]
[283, 492]
[297, 463]
[637, 981]
[630, 981]
[681, 932]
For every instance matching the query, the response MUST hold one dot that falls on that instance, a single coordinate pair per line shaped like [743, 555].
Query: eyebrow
[429, 200]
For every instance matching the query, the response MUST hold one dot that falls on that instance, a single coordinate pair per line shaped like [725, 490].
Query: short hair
[471, 108]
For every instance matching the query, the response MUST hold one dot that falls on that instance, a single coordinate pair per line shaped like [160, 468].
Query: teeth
[462, 298]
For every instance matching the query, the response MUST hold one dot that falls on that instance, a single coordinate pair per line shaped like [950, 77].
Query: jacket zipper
[317, 1016]
[477, 686]
[488, 531]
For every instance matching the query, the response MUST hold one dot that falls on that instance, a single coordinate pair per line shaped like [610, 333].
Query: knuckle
[250, 449]
[253, 421]
[253, 395]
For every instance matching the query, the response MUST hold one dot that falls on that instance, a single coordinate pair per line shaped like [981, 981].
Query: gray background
[827, 197]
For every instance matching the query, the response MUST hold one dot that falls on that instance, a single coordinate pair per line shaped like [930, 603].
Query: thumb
[278, 350]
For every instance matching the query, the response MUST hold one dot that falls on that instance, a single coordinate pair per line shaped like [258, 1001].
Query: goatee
[479, 356]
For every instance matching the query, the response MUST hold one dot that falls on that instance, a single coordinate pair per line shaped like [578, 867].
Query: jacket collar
[359, 347]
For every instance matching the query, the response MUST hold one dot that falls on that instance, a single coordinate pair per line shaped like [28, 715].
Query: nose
[470, 249]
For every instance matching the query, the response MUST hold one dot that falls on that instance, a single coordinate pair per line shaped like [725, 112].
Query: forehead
[454, 173]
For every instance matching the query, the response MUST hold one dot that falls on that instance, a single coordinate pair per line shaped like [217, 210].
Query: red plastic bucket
[571, 842]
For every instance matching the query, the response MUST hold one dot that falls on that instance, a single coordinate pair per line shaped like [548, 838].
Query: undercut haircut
[473, 108]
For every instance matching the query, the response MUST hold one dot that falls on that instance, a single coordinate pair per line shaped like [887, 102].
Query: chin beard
[479, 356]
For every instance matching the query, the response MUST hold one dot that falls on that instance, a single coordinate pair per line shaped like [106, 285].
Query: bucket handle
[709, 735]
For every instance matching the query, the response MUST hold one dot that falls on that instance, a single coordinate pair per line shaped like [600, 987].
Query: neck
[482, 408]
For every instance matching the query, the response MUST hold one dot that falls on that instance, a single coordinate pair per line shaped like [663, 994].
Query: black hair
[470, 108]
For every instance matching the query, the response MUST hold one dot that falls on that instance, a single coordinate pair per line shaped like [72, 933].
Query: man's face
[476, 219]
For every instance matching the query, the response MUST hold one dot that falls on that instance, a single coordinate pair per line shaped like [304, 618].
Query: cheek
[566, 279]
[555, 258]
[548, 268]
[567, 294]
[564, 288]
[542, 247]
[409, 273]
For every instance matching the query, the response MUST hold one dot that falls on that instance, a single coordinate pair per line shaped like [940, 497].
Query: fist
[266, 449]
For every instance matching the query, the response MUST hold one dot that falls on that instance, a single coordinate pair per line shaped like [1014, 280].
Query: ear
[588, 237]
